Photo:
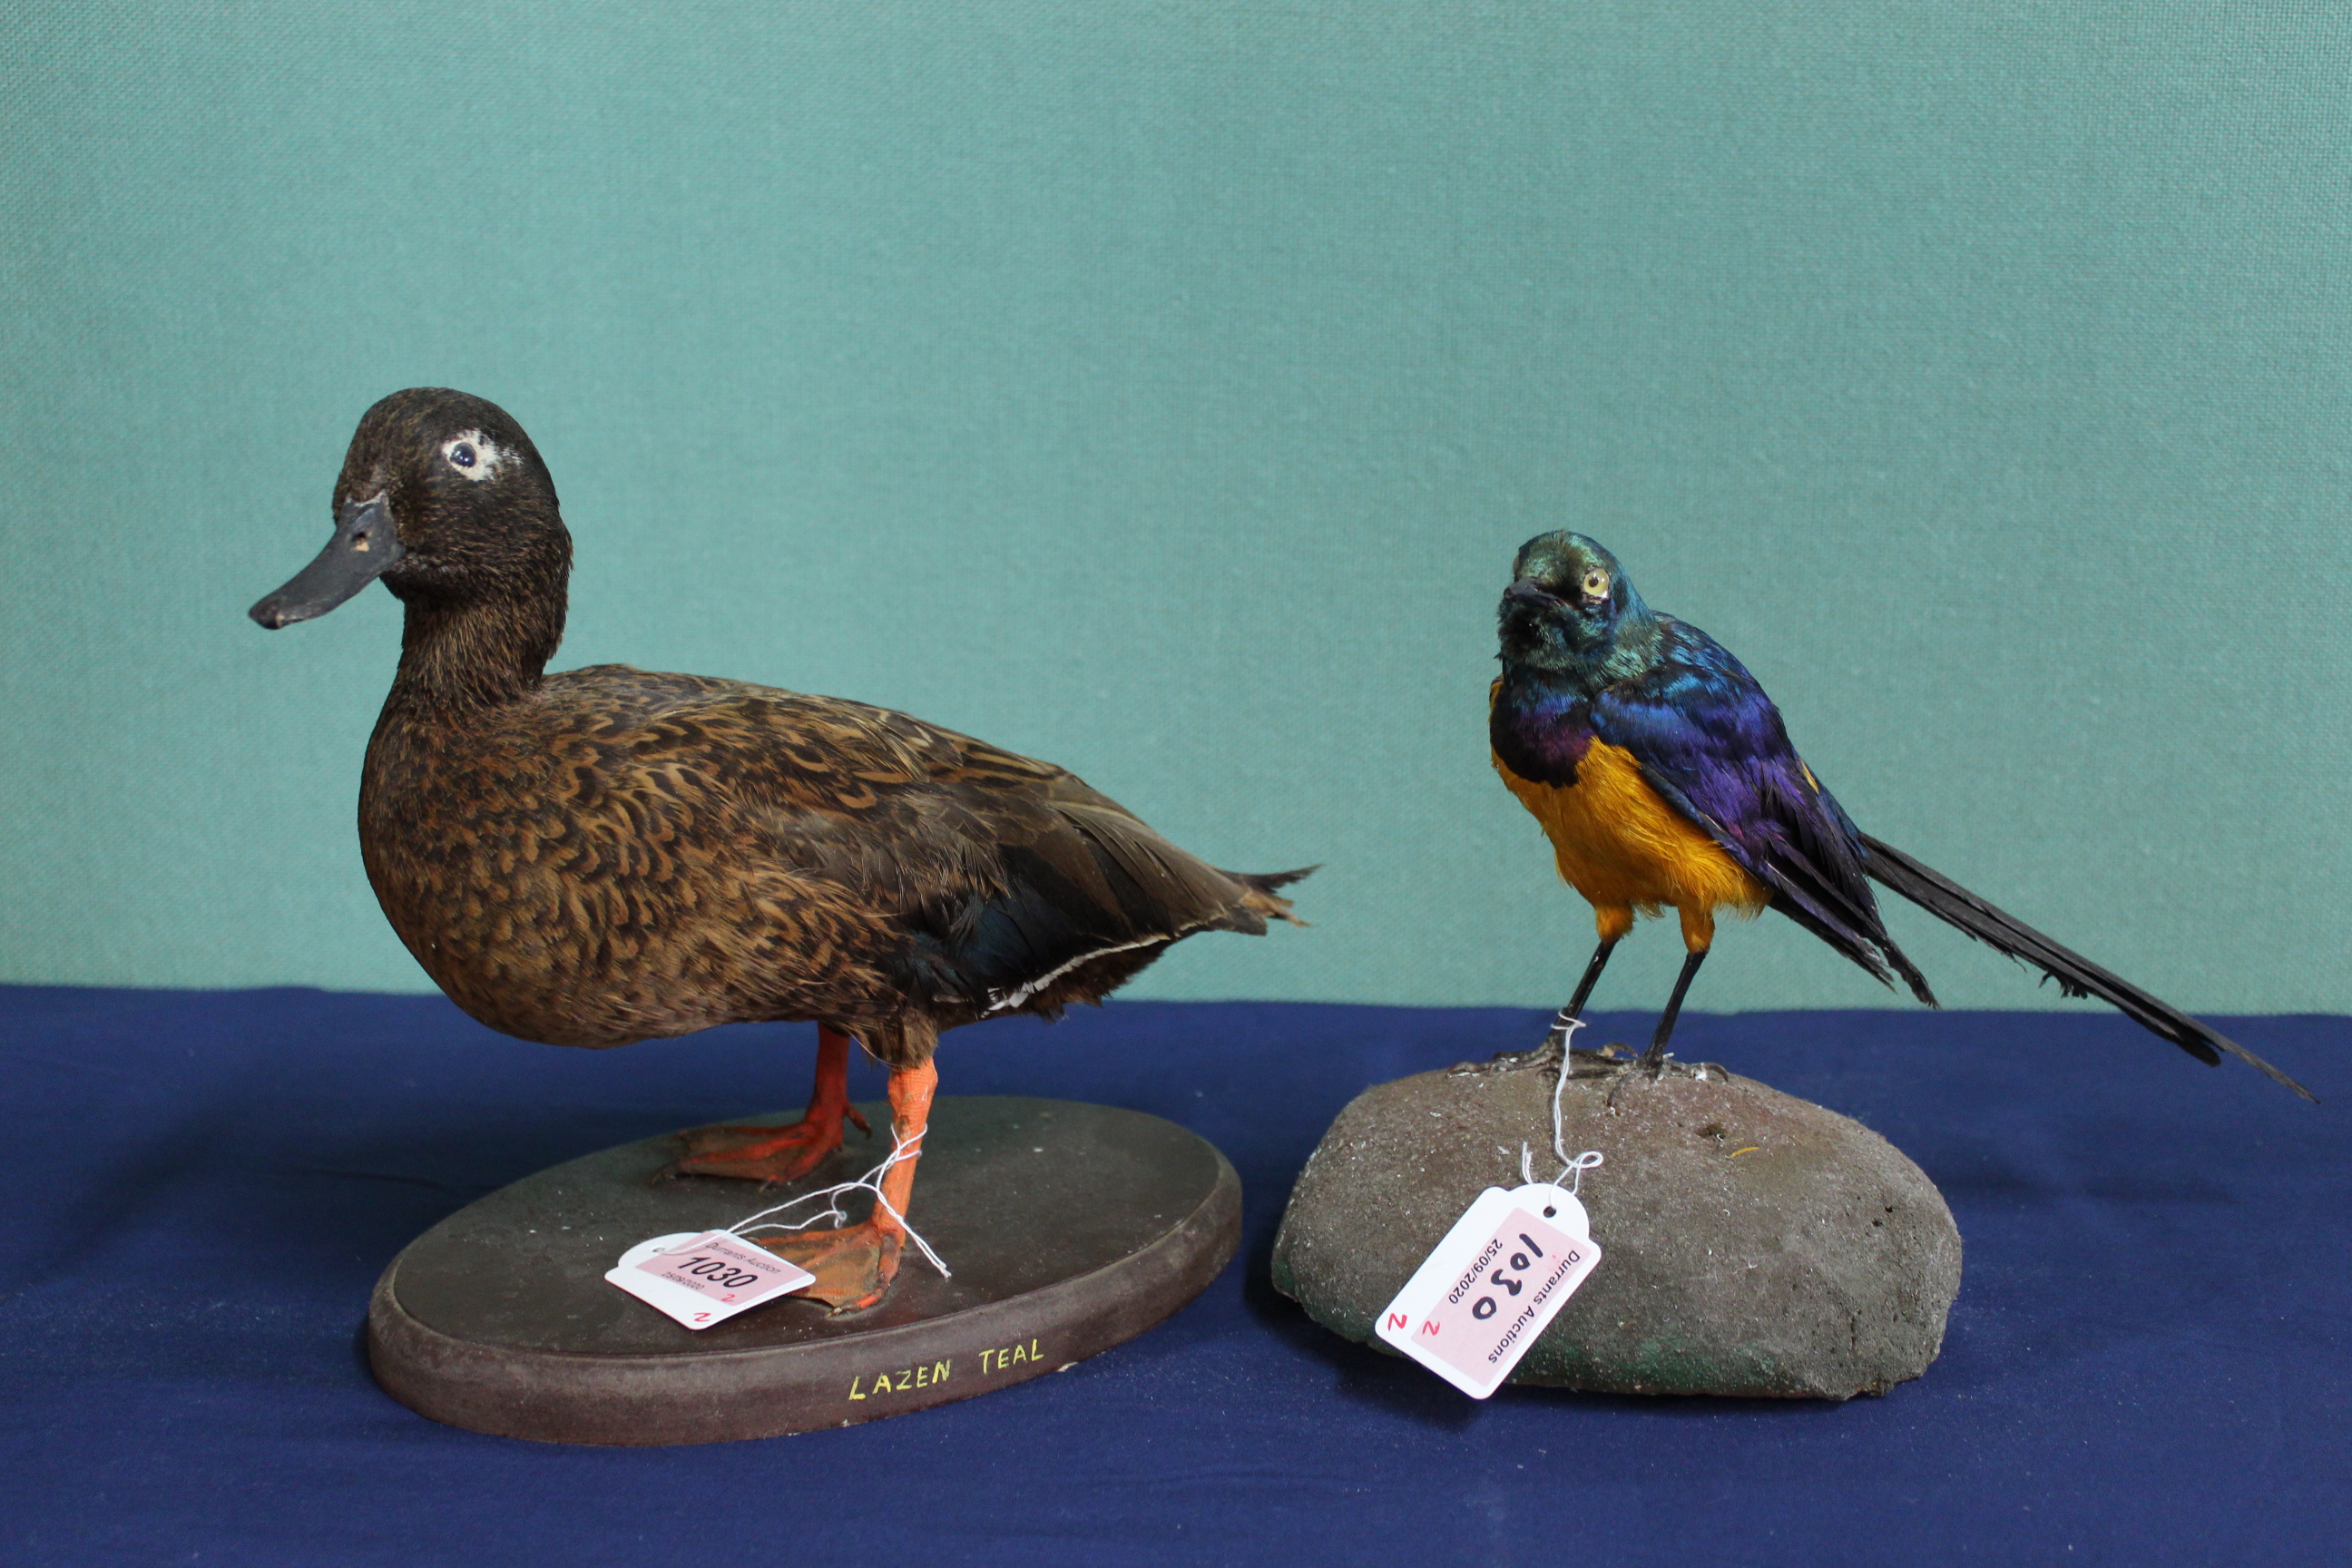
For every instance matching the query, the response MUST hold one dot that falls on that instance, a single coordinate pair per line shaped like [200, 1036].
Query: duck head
[445, 498]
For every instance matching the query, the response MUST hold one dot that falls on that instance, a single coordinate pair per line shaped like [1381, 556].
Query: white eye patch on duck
[474, 454]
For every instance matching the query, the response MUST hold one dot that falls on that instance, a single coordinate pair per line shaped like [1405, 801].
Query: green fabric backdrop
[1163, 389]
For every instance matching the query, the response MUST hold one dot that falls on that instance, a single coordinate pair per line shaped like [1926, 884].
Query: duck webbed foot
[853, 1264]
[765, 1154]
[786, 1154]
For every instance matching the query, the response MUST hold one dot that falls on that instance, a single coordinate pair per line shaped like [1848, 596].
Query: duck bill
[364, 548]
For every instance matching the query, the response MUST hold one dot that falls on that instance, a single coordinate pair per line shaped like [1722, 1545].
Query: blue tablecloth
[2149, 1362]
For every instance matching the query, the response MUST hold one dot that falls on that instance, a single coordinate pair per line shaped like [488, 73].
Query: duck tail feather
[1261, 898]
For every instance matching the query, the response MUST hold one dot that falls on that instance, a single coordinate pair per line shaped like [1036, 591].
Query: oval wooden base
[1069, 1228]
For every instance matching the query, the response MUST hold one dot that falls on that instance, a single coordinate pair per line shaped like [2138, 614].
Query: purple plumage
[1712, 744]
[1585, 659]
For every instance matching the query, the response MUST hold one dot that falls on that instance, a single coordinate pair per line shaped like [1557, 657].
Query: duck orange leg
[780, 1153]
[855, 1264]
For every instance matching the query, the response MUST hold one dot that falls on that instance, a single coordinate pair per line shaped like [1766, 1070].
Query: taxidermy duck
[610, 854]
[1664, 778]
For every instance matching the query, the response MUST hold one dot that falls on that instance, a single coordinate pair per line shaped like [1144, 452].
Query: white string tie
[901, 1150]
[1591, 1157]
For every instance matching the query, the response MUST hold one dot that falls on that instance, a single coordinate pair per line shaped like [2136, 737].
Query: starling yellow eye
[1596, 583]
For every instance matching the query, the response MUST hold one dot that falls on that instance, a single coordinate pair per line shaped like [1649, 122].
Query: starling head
[1566, 604]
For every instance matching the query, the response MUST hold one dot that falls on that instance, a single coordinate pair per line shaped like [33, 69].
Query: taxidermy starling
[610, 854]
[1663, 778]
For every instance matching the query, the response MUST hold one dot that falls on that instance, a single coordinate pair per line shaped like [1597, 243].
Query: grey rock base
[1752, 1243]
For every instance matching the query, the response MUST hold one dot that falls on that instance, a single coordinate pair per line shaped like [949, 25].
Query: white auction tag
[706, 1279]
[1484, 1294]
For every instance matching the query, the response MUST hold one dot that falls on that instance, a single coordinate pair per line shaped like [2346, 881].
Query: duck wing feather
[1004, 883]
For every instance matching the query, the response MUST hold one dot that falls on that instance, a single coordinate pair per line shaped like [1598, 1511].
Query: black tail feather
[2076, 975]
[1876, 956]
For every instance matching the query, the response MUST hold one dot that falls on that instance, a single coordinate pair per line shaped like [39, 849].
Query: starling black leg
[1553, 1049]
[1556, 1039]
[1655, 1059]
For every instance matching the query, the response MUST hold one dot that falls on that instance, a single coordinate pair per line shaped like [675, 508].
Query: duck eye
[1596, 583]
[474, 454]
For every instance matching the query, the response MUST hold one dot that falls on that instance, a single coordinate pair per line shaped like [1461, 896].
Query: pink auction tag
[707, 1279]
[1484, 1294]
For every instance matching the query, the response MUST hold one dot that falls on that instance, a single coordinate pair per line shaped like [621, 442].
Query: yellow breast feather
[1618, 843]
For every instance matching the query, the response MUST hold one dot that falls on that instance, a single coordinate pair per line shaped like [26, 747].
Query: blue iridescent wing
[1710, 741]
